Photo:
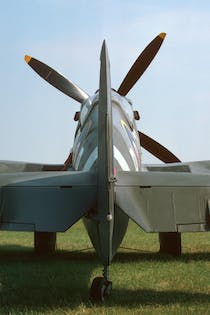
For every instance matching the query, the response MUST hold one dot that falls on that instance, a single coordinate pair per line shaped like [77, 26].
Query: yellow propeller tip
[162, 35]
[27, 58]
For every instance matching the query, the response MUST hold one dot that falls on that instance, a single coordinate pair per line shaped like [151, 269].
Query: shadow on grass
[63, 279]
[14, 252]
[24, 253]
[151, 297]
[41, 282]
[140, 256]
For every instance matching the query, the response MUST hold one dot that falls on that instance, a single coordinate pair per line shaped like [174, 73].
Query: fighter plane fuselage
[126, 146]
[126, 151]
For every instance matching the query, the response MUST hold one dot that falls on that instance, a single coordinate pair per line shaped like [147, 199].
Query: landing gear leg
[101, 287]
[170, 243]
[44, 242]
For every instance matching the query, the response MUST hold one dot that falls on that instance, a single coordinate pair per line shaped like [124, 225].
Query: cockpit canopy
[124, 103]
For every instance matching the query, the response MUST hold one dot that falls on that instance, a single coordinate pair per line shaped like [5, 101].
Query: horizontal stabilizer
[45, 201]
[165, 202]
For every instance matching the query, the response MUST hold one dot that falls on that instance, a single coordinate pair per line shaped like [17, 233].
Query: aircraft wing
[198, 167]
[45, 201]
[165, 201]
[17, 166]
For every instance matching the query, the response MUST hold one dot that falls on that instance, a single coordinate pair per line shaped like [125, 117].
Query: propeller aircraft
[103, 180]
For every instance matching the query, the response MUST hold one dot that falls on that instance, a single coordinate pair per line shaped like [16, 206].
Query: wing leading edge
[45, 201]
[16, 166]
[165, 202]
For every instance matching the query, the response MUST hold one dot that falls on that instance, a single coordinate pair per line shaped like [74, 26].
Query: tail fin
[105, 159]
[105, 141]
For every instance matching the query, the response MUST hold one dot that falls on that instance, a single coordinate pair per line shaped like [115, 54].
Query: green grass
[144, 282]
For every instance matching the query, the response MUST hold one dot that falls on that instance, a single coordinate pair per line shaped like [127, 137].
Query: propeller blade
[141, 64]
[157, 149]
[56, 79]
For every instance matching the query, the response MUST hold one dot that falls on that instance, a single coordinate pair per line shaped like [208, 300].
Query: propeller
[157, 149]
[135, 72]
[57, 80]
[141, 64]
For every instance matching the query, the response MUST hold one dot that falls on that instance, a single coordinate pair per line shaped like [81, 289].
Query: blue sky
[173, 96]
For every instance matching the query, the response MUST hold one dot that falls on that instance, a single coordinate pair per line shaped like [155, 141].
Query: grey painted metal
[16, 166]
[101, 223]
[105, 197]
[106, 236]
[45, 201]
[57, 80]
[197, 167]
[165, 202]
[163, 179]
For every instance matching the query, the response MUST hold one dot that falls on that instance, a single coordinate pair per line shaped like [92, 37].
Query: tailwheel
[100, 289]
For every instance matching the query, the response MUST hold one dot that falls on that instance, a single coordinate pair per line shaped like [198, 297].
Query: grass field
[143, 282]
